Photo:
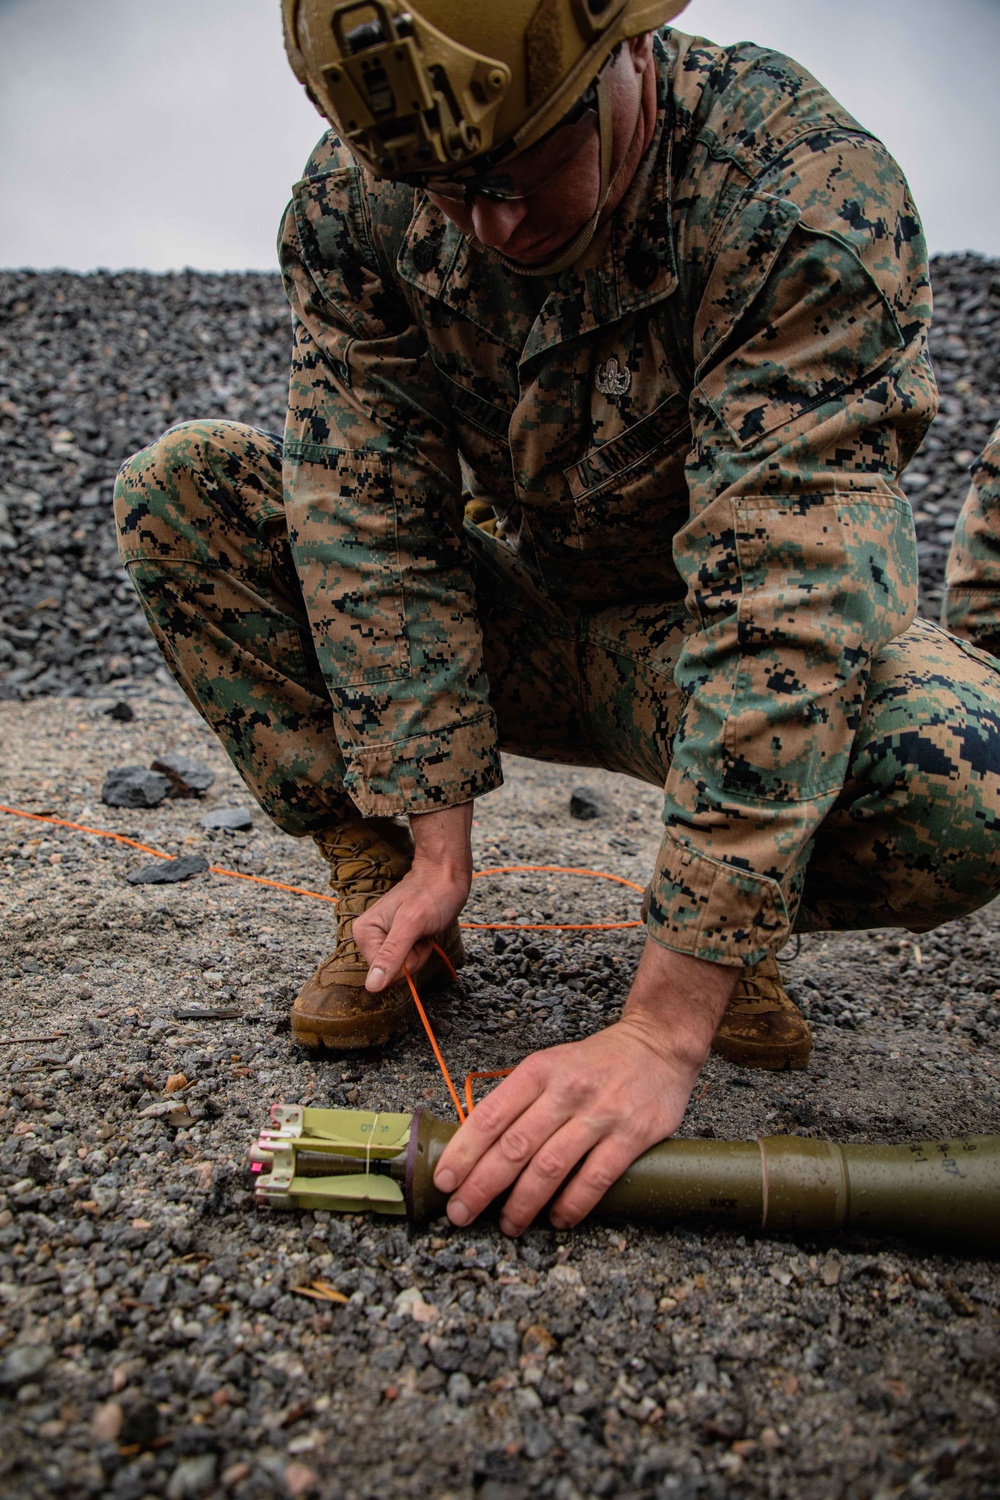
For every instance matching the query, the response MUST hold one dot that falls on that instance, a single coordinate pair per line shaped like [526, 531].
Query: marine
[609, 350]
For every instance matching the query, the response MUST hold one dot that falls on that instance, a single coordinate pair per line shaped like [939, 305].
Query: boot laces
[359, 886]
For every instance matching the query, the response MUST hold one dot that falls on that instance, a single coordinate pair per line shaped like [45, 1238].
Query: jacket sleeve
[373, 498]
[812, 391]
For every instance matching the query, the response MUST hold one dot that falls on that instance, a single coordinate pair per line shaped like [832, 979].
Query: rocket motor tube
[948, 1189]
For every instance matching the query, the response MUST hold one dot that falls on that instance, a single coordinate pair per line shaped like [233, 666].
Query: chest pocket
[629, 493]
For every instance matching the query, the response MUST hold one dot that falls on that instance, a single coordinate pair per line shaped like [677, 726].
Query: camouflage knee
[972, 601]
[201, 490]
[914, 840]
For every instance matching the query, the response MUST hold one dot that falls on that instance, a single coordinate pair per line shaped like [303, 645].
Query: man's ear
[641, 51]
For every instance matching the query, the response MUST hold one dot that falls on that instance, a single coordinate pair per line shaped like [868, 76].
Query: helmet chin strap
[580, 243]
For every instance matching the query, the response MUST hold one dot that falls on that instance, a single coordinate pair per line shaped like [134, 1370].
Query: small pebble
[25, 1363]
[192, 1477]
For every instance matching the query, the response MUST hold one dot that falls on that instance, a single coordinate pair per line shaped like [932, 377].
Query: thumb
[403, 945]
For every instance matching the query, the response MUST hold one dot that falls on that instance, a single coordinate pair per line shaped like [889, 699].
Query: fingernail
[558, 1222]
[445, 1181]
[457, 1212]
[508, 1227]
[375, 980]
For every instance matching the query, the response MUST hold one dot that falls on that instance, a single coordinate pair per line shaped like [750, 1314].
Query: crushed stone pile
[94, 367]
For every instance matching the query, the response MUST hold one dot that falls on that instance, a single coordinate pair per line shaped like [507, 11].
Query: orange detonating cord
[297, 890]
[119, 838]
[470, 1079]
[430, 1033]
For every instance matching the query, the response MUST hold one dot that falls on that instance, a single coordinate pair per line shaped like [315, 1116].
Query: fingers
[608, 1161]
[400, 927]
[487, 1123]
[390, 961]
[552, 1163]
[392, 934]
[532, 1152]
[533, 1130]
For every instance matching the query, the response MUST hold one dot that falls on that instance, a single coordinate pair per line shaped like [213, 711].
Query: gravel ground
[94, 367]
[151, 1341]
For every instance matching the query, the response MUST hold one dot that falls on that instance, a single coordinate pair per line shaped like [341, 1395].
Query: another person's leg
[914, 840]
[972, 602]
[201, 523]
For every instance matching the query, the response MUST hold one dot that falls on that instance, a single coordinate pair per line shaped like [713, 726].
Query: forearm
[442, 841]
[678, 1001]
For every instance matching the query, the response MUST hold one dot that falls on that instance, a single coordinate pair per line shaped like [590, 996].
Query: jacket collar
[631, 265]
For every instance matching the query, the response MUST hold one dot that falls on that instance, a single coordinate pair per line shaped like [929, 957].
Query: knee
[928, 736]
[170, 454]
[148, 485]
[174, 497]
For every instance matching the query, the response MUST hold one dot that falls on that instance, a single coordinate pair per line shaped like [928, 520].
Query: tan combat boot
[761, 1027]
[333, 1007]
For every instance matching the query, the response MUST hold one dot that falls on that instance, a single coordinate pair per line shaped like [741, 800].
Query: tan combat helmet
[420, 91]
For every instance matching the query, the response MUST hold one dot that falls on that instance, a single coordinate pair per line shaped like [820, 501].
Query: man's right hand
[595, 1104]
[398, 929]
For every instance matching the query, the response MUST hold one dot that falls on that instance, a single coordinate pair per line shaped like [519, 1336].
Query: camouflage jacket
[712, 409]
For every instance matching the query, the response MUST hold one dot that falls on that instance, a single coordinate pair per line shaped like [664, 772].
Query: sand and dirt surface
[152, 1341]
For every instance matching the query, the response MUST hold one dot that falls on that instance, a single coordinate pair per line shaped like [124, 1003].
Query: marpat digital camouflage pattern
[972, 601]
[704, 572]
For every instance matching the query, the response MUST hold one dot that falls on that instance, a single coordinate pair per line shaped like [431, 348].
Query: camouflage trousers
[912, 841]
[972, 601]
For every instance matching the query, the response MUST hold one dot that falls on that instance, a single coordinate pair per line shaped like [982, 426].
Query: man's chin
[538, 253]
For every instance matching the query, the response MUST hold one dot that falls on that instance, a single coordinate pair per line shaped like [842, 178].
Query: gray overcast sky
[168, 135]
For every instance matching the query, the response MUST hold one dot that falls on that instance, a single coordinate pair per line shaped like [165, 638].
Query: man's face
[552, 190]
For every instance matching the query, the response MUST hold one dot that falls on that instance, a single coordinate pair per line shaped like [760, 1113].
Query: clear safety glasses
[530, 171]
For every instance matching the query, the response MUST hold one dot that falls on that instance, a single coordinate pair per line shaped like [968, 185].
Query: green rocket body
[356, 1160]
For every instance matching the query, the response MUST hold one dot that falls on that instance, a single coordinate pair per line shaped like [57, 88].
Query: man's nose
[495, 222]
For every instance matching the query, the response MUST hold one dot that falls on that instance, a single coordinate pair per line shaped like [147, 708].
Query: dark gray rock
[228, 819]
[121, 711]
[168, 872]
[188, 778]
[134, 786]
[141, 1423]
[585, 806]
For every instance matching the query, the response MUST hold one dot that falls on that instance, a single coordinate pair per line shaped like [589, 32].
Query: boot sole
[380, 1026]
[769, 1059]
